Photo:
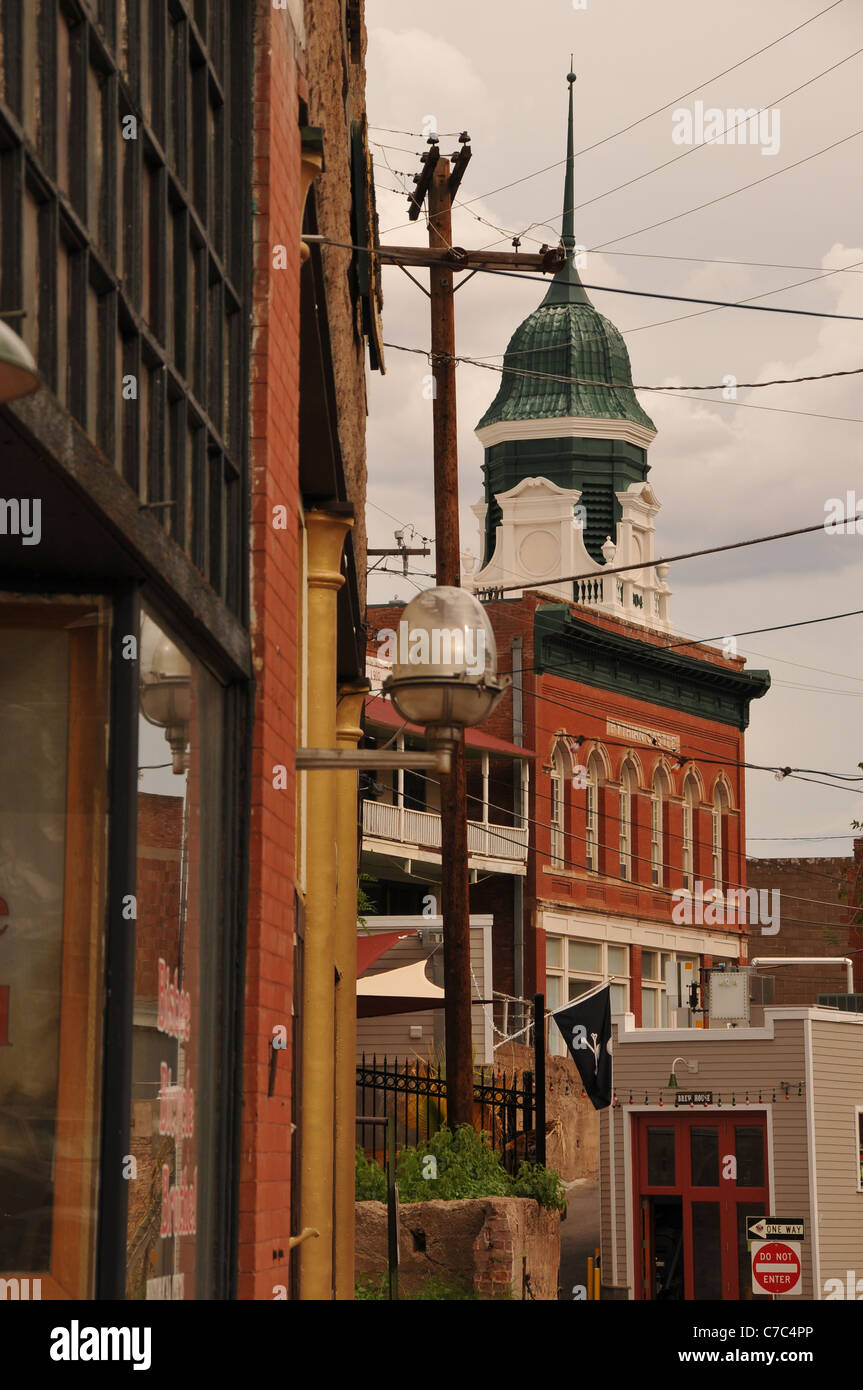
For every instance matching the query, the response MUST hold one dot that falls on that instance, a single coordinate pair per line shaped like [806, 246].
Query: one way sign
[773, 1227]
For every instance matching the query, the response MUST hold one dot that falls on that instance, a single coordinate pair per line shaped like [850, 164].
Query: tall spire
[568, 224]
[566, 287]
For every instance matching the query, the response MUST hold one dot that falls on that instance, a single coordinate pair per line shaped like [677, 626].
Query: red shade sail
[371, 948]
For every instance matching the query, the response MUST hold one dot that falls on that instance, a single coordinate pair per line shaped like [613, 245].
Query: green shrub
[532, 1180]
[371, 1181]
[464, 1166]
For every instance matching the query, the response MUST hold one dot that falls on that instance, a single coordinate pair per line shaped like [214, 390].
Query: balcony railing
[422, 829]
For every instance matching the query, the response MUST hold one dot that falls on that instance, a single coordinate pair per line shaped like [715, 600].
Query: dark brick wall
[814, 921]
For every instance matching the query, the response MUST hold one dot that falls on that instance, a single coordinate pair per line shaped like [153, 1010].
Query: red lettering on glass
[175, 1006]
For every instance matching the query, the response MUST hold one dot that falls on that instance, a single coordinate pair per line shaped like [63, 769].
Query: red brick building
[189, 617]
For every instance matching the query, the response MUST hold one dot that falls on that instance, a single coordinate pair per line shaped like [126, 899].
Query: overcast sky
[723, 471]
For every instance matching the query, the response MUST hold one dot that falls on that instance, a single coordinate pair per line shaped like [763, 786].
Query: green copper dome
[566, 338]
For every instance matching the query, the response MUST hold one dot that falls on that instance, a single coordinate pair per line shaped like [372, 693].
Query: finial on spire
[568, 225]
[566, 287]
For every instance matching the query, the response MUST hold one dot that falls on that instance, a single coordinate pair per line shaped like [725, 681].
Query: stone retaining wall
[497, 1246]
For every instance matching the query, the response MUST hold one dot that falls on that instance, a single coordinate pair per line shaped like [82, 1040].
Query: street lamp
[166, 699]
[18, 374]
[445, 667]
[445, 677]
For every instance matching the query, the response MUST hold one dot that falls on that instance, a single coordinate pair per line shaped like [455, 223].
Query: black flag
[586, 1028]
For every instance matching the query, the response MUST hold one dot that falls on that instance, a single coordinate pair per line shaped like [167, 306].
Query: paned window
[572, 967]
[628, 787]
[125, 245]
[720, 811]
[595, 779]
[558, 780]
[661, 791]
[690, 801]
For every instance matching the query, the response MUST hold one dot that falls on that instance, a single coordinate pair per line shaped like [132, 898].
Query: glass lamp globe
[166, 698]
[18, 374]
[445, 667]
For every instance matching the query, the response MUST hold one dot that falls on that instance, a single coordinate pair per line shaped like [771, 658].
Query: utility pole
[439, 180]
[455, 898]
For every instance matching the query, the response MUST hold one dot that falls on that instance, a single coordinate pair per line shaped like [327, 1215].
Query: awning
[406, 990]
[371, 948]
[381, 711]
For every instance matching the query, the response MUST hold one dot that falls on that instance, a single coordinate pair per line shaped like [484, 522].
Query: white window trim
[564, 974]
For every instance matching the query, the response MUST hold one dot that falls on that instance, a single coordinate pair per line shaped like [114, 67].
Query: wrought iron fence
[414, 1094]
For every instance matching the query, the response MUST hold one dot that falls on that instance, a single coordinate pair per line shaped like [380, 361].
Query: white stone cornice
[566, 427]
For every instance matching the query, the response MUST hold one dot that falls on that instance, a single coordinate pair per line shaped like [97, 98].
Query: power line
[615, 386]
[720, 137]
[760, 838]
[667, 834]
[666, 560]
[711, 202]
[639, 858]
[692, 299]
[780, 627]
[418, 134]
[660, 390]
[765, 294]
[701, 755]
[713, 139]
[650, 114]
[422, 263]
[724, 260]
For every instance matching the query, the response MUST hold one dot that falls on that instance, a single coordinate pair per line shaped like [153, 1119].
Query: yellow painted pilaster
[326, 536]
[348, 734]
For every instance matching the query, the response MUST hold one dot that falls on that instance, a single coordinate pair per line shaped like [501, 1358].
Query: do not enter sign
[776, 1266]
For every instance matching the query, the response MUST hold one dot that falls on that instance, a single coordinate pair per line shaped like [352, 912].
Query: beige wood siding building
[674, 1188]
[390, 1035]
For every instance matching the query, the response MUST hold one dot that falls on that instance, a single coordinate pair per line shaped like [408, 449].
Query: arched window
[690, 801]
[628, 787]
[661, 791]
[595, 779]
[720, 809]
[558, 779]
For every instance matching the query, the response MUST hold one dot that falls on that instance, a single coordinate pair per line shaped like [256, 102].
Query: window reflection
[54, 682]
[177, 952]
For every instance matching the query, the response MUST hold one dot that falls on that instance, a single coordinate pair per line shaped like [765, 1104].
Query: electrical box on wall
[728, 996]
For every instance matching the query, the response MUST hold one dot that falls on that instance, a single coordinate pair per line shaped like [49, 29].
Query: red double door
[698, 1176]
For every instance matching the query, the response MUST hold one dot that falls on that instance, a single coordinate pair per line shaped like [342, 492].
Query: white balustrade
[423, 828]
